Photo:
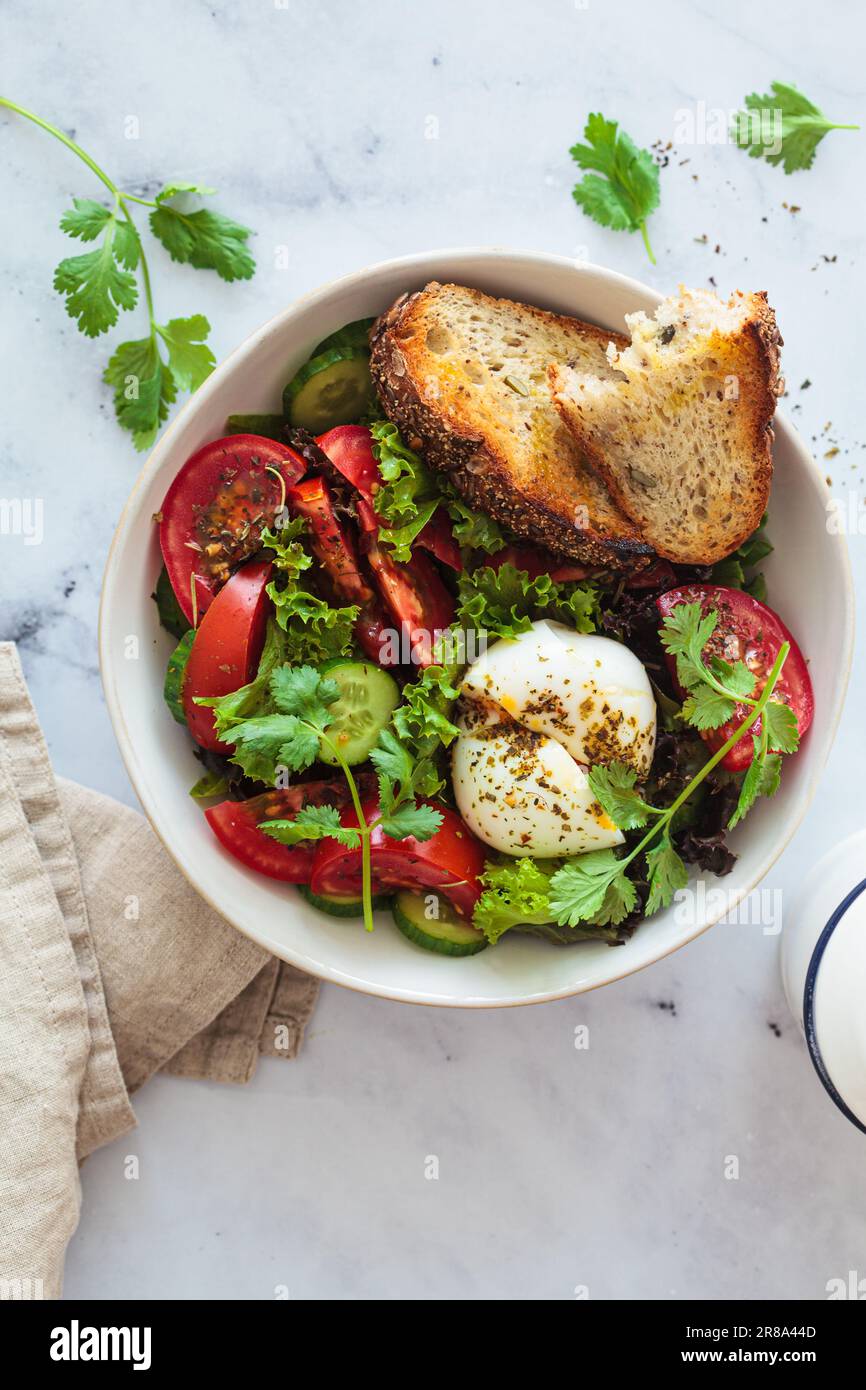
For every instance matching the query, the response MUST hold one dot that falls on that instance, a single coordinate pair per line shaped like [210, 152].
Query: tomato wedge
[414, 594]
[438, 537]
[333, 545]
[226, 650]
[417, 600]
[215, 509]
[451, 862]
[235, 824]
[331, 542]
[746, 631]
[350, 449]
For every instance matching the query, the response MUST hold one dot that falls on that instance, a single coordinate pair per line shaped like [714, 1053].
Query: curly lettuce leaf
[506, 601]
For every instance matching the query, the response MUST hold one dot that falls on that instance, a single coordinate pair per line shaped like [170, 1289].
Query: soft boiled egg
[536, 713]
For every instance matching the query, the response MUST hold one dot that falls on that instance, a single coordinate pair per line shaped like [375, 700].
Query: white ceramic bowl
[809, 581]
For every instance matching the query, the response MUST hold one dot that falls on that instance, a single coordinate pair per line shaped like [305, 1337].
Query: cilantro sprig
[622, 188]
[782, 126]
[595, 887]
[146, 373]
[287, 734]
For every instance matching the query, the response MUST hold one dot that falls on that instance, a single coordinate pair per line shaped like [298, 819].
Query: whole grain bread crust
[477, 469]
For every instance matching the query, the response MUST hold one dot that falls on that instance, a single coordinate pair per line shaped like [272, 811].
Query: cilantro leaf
[189, 358]
[395, 769]
[624, 188]
[144, 387]
[619, 900]
[85, 219]
[613, 787]
[735, 676]
[204, 239]
[705, 708]
[781, 722]
[270, 741]
[421, 822]
[285, 731]
[127, 246]
[783, 127]
[684, 634]
[171, 190]
[96, 287]
[771, 774]
[750, 789]
[312, 823]
[667, 874]
[302, 691]
[578, 891]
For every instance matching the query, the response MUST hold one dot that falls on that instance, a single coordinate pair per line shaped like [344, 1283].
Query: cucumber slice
[333, 388]
[339, 907]
[367, 699]
[443, 931]
[269, 426]
[350, 339]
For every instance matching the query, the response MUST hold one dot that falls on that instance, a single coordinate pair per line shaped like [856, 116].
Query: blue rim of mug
[809, 1005]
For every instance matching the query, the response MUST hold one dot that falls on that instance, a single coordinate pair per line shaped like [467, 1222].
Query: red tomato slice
[451, 862]
[416, 598]
[235, 824]
[215, 509]
[747, 631]
[226, 650]
[350, 449]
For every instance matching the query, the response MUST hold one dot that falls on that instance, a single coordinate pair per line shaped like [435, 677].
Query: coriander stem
[751, 717]
[64, 139]
[119, 198]
[646, 241]
[363, 830]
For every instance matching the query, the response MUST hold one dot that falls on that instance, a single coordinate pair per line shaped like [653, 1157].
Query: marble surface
[560, 1169]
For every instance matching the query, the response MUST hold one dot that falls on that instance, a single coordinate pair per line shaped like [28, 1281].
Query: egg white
[589, 693]
[536, 713]
[522, 793]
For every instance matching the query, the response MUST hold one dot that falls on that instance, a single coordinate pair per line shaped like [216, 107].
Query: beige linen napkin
[111, 968]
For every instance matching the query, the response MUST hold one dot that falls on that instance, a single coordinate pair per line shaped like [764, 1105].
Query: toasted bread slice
[464, 376]
[682, 438]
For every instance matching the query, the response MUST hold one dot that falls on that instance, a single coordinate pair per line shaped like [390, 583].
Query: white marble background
[558, 1167]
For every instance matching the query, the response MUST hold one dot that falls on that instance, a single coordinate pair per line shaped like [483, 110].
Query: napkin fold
[111, 968]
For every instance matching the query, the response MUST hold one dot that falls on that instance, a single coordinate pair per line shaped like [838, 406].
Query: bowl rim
[154, 461]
